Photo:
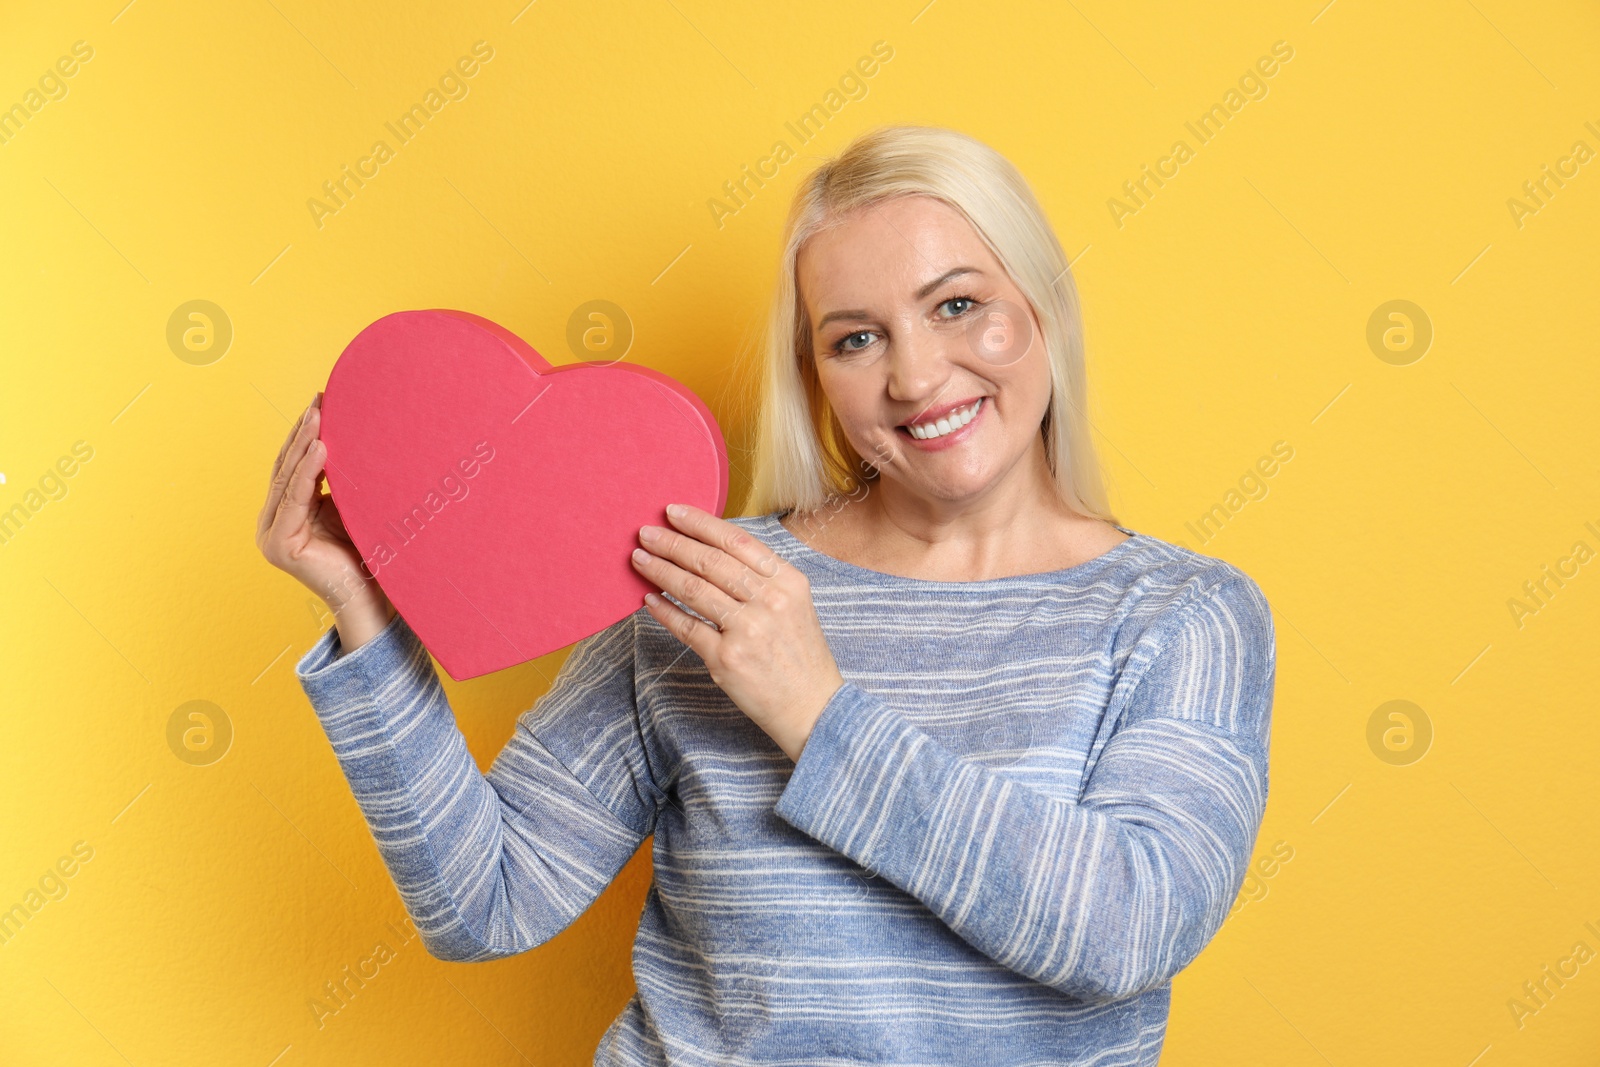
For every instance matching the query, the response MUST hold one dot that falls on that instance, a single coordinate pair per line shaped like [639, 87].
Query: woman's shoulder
[1169, 584]
[771, 532]
[761, 527]
[754, 523]
[1181, 573]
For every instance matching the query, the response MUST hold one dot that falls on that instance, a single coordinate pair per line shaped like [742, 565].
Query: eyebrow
[856, 313]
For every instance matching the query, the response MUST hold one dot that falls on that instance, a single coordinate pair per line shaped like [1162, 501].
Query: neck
[1007, 528]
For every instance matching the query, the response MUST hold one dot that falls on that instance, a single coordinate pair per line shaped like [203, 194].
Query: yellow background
[1229, 313]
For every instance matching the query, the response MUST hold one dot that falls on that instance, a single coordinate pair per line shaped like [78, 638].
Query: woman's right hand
[300, 531]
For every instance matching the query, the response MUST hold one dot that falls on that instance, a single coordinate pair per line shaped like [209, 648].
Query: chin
[955, 490]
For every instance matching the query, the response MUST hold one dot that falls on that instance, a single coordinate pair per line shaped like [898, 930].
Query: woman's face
[915, 326]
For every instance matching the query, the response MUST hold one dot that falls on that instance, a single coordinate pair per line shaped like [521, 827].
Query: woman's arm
[1101, 899]
[489, 865]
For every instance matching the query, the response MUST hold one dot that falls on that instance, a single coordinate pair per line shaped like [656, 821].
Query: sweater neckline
[1088, 568]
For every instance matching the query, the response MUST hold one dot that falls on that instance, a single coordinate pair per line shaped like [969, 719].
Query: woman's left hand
[767, 651]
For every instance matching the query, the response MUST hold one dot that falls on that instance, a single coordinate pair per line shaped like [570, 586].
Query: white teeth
[947, 424]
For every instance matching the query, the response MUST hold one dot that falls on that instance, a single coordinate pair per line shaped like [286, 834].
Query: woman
[942, 763]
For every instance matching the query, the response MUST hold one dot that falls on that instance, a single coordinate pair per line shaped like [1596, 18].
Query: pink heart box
[496, 498]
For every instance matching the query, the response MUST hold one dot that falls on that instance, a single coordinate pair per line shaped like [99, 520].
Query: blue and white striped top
[1030, 805]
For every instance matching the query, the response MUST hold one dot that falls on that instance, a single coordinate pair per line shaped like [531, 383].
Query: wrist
[359, 621]
[794, 744]
[375, 605]
[355, 592]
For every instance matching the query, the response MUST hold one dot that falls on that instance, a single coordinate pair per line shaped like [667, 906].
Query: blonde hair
[802, 456]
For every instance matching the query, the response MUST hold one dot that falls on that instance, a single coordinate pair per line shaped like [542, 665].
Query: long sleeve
[1100, 899]
[489, 865]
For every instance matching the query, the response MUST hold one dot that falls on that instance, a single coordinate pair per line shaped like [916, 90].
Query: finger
[294, 510]
[728, 574]
[688, 587]
[698, 634]
[294, 452]
[734, 540]
[283, 449]
[329, 513]
[269, 506]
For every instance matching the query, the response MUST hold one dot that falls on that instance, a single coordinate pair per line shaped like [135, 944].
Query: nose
[919, 367]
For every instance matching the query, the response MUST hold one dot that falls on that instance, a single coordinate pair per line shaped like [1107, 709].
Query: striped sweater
[1030, 805]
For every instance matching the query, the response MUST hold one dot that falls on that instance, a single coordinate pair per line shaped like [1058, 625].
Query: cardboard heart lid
[496, 498]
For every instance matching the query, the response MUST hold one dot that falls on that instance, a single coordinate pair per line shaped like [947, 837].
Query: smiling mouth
[945, 424]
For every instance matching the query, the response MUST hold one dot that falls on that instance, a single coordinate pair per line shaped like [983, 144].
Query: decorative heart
[496, 498]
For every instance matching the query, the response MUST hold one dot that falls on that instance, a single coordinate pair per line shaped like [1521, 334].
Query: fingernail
[649, 533]
[641, 556]
[677, 511]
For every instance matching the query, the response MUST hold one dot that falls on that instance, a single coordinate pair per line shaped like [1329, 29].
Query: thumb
[329, 513]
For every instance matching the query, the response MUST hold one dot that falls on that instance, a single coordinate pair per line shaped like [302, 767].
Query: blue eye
[843, 345]
[967, 300]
